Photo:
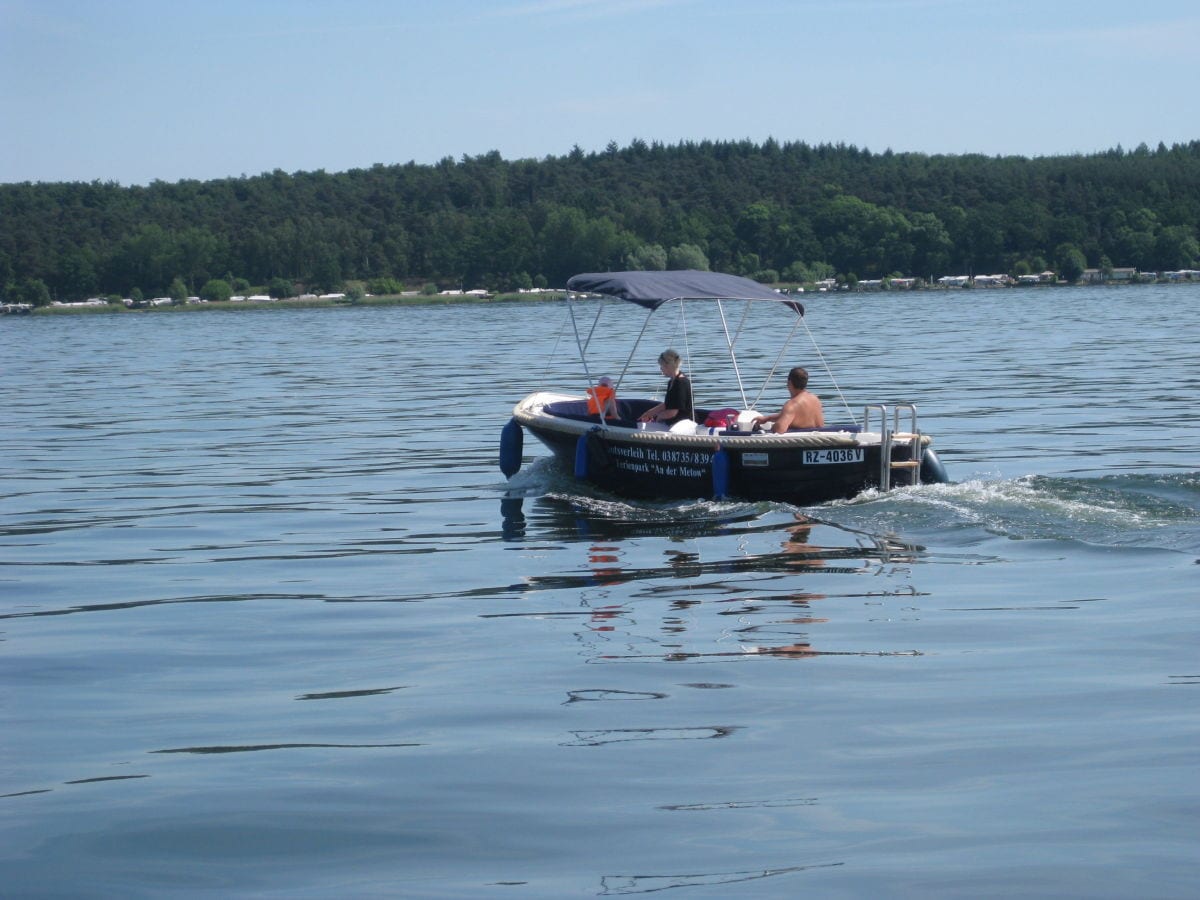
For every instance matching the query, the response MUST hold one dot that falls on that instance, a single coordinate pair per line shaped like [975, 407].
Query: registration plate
[833, 455]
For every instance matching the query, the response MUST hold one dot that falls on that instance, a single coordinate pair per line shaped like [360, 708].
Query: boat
[719, 453]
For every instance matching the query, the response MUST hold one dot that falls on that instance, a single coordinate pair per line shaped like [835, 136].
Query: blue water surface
[273, 624]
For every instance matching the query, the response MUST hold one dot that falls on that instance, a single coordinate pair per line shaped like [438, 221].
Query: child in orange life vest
[603, 397]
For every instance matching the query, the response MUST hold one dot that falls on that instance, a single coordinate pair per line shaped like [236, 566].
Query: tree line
[773, 211]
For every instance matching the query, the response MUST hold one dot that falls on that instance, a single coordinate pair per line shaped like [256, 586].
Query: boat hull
[635, 469]
[801, 468]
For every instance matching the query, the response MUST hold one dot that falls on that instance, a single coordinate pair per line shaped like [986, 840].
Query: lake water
[272, 624]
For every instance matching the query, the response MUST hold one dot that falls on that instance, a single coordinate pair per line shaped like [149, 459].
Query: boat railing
[910, 442]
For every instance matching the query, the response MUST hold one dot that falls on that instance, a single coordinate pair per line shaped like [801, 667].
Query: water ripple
[256, 748]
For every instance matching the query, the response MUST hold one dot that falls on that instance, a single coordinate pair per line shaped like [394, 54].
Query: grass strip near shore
[389, 300]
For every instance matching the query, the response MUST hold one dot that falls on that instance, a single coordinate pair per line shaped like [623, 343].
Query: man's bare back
[802, 410]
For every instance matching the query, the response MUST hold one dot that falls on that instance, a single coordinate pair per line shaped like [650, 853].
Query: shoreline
[510, 297]
[291, 303]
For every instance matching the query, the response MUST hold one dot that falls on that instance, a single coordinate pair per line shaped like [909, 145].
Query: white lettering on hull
[666, 462]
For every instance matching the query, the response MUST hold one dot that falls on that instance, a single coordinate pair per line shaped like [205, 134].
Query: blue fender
[512, 443]
[592, 462]
[932, 470]
[581, 458]
[720, 474]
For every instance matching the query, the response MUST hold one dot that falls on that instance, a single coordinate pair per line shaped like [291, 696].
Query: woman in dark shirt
[677, 404]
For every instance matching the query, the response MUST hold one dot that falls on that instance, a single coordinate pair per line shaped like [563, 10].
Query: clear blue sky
[134, 90]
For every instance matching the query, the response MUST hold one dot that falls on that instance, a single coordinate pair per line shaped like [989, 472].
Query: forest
[777, 212]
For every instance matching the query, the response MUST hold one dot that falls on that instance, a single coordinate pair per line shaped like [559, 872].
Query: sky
[133, 91]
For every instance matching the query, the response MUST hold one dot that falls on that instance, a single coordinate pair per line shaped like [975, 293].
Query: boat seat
[702, 414]
[852, 429]
[629, 410]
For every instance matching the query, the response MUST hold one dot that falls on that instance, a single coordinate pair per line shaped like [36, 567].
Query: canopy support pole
[579, 343]
[782, 350]
[629, 359]
[729, 342]
[821, 356]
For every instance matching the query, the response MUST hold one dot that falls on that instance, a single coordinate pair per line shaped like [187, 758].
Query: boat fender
[932, 470]
[591, 455]
[720, 474]
[581, 456]
[512, 440]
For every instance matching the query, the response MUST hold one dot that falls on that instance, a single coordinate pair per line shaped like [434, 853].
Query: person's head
[798, 378]
[669, 361]
[605, 381]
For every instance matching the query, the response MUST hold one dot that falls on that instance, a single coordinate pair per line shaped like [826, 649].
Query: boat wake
[1135, 511]
[544, 478]
[1149, 511]
[715, 582]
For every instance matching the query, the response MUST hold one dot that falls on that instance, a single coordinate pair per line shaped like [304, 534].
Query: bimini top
[652, 289]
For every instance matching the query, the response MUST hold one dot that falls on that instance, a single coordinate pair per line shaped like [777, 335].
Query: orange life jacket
[598, 397]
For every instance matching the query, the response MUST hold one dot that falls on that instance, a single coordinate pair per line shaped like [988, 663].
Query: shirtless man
[803, 410]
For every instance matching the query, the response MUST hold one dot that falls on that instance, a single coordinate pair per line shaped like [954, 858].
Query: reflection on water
[722, 562]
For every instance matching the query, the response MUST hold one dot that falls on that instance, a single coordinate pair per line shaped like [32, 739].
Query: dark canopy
[652, 289]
